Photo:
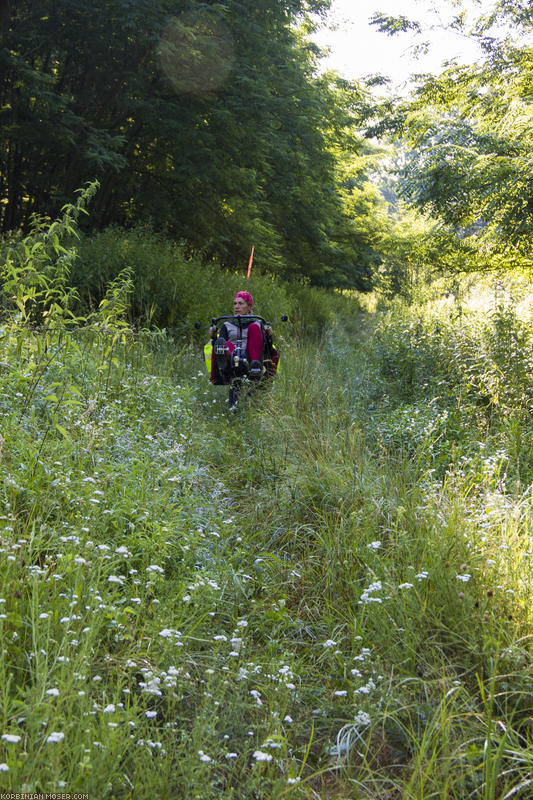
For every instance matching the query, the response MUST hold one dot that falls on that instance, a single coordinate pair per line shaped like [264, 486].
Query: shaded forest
[205, 119]
[211, 123]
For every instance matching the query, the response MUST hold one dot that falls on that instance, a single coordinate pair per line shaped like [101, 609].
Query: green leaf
[63, 431]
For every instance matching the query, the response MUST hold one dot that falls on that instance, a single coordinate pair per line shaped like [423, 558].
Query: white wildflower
[260, 756]
[257, 696]
[55, 736]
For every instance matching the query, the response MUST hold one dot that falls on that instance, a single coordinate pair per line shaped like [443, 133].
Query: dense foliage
[327, 592]
[329, 588]
[206, 119]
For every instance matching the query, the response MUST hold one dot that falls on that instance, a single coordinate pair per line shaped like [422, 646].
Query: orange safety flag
[250, 263]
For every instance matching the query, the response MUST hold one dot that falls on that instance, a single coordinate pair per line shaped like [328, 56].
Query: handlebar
[245, 318]
[239, 319]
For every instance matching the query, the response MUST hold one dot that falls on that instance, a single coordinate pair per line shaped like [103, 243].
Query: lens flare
[197, 52]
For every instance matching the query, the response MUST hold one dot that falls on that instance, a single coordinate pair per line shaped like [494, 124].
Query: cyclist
[250, 332]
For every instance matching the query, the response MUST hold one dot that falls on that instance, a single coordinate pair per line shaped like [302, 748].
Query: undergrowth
[324, 594]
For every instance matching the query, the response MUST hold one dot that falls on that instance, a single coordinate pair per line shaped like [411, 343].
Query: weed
[328, 595]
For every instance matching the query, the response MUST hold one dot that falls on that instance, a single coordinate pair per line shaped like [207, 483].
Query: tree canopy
[206, 119]
[210, 121]
[468, 141]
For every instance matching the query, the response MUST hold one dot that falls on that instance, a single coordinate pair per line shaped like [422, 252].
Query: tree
[204, 118]
[469, 140]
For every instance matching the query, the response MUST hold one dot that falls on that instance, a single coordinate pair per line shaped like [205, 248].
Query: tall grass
[400, 519]
[326, 594]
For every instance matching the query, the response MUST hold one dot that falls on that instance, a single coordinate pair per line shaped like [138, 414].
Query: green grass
[326, 594]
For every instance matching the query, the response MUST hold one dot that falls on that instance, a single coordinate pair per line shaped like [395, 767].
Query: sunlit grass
[325, 594]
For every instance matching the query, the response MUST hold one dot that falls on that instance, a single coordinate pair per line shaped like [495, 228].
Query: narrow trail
[290, 600]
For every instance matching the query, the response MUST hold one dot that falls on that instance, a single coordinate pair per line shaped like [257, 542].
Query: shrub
[173, 289]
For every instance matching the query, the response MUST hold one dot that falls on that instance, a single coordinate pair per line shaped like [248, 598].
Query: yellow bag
[208, 351]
